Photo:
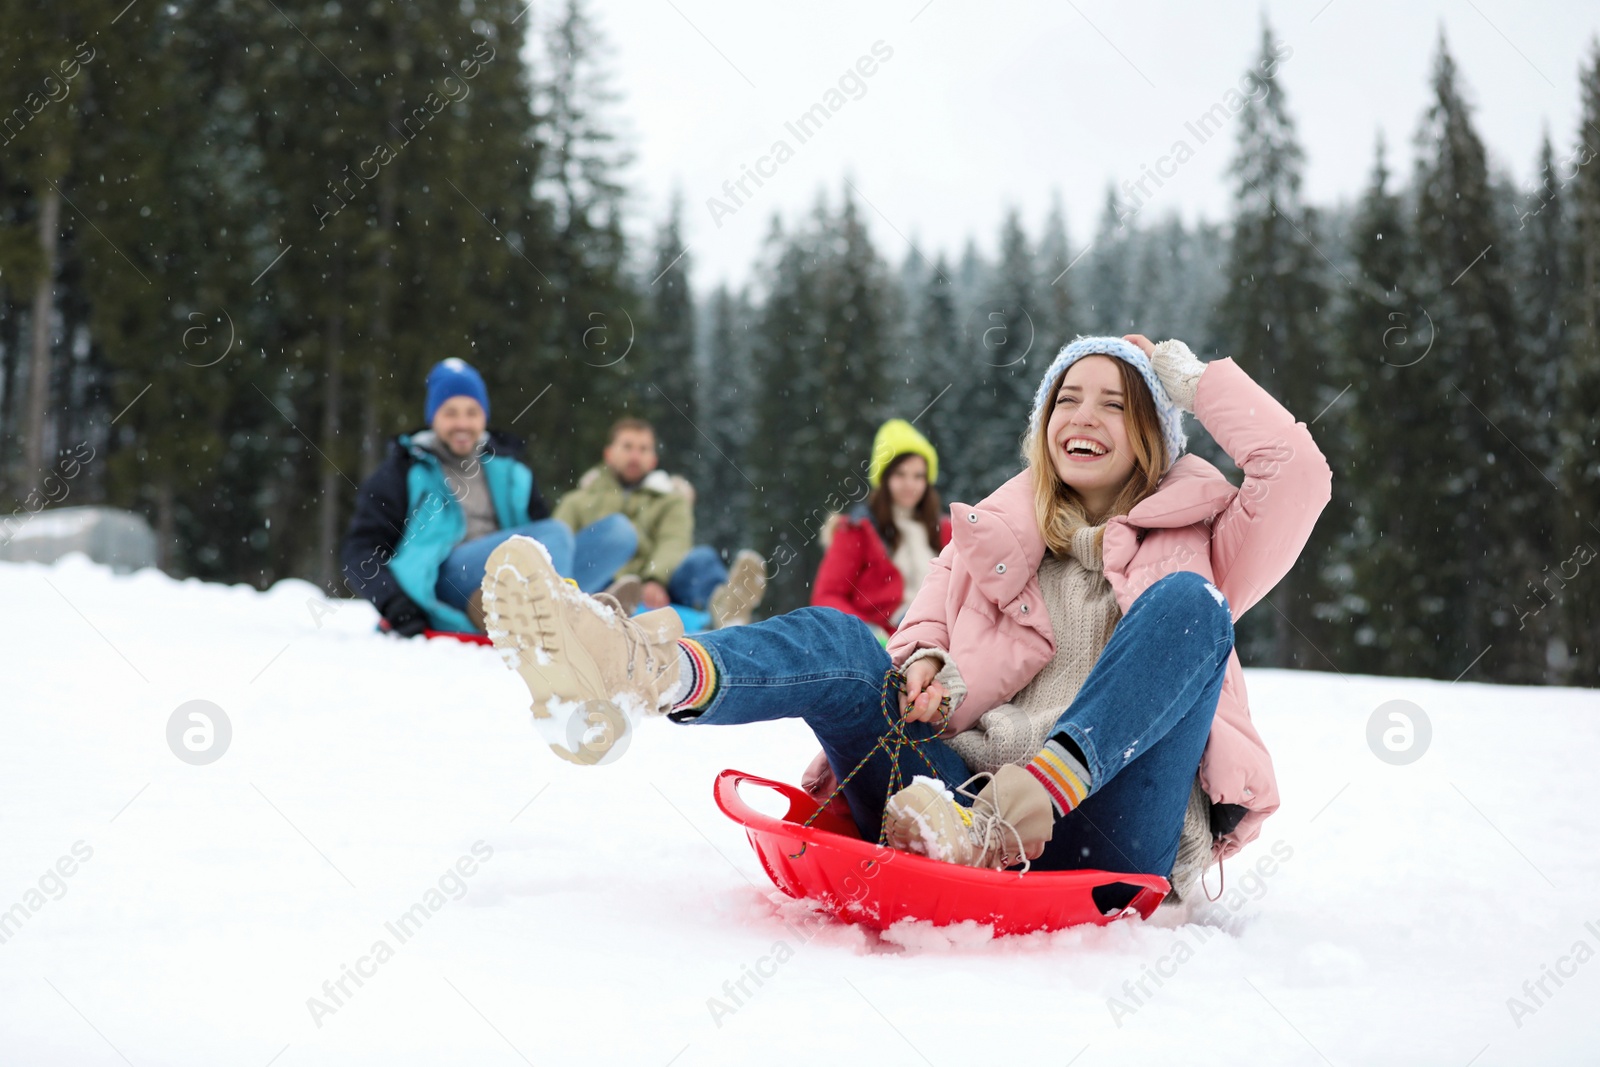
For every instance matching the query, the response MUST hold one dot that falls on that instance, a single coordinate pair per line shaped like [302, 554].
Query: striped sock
[697, 681]
[1061, 770]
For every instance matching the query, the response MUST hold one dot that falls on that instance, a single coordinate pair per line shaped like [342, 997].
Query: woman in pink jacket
[1072, 646]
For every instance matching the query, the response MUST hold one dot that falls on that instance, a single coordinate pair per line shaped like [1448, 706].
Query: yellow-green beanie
[896, 438]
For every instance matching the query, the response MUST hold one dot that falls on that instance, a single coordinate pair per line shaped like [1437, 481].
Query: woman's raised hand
[1141, 342]
[919, 700]
[1176, 367]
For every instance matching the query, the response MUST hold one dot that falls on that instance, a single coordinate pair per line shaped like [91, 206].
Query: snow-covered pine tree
[1003, 351]
[936, 332]
[825, 346]
[1108, 273]
[1058, 308]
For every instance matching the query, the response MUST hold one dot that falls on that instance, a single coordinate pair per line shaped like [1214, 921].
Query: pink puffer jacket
[982, 602]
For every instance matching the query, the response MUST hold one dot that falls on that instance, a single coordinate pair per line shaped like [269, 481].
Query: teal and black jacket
[407, 520]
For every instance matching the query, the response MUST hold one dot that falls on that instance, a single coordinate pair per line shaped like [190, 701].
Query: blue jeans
[591, 557]
[1141, 718]
[697, 577]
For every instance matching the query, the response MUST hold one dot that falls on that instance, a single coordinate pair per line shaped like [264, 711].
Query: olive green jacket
[660, 509]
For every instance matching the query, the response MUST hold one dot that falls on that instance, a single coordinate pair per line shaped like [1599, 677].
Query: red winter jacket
[857, 576]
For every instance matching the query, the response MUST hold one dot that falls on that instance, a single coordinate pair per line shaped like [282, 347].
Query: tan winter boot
[733, 601]
[592, 670]
[1009, 821]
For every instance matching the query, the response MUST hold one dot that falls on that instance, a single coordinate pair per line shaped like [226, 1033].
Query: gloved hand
[403, 616]
[1179, 372]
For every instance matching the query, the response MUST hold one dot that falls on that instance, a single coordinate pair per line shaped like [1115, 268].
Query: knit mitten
[1179, 372]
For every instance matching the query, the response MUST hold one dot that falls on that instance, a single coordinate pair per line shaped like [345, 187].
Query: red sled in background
[464, 638]
[876, 886]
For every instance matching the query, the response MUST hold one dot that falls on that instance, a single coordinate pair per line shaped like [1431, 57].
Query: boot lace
[642, 645]
[993, 834]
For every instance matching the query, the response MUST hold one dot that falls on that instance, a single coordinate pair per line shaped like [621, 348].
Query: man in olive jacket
[660, 506]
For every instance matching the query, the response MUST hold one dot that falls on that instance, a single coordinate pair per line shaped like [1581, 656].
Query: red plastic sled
[866, 883]
[464, 638]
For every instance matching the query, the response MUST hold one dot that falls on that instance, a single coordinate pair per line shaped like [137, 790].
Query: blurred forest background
[233, 238]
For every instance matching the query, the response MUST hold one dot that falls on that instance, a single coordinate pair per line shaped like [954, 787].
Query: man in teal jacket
[443, 499]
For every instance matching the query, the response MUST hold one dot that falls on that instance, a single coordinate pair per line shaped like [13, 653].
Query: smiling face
[631, 454]
[1087, 433]
[459, 423]
[908, 481]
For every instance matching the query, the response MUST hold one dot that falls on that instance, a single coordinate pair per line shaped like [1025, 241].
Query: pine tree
[1002, 346]
[728, 421]
[670, 392]
[1273, 327]
[826, 343]
[1543, 299]
[50, 125]
[785, 355]
[936, 331]
[580, 179]
[1108, 278]
[1056, 323]
[1383, 339]
[1486, 498]
[1579, 410]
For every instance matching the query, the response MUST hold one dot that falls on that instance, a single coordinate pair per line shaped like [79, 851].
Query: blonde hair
[1058, 508]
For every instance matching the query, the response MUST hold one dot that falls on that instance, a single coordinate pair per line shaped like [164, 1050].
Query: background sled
[464, 638]
[875, 886]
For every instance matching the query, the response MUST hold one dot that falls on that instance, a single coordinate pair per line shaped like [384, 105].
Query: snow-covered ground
[161, 912]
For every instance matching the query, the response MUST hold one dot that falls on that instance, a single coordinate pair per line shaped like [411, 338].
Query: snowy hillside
[161, 912]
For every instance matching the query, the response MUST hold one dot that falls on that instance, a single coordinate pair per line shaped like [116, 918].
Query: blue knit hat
[450, 378]
[1170, 414]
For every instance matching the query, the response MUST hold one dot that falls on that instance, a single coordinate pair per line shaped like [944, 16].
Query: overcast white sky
[1005, 103]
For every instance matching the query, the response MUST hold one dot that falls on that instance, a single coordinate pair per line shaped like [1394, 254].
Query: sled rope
[893, 742]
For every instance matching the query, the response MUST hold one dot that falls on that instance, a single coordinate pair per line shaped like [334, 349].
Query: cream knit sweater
[1083, 612]
[913, 557]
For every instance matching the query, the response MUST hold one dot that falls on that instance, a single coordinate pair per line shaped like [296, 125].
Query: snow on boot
[732, 602]
[592, 670]
[1009, 821]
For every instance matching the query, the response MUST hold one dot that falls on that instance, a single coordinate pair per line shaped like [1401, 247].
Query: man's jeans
[1141, 718]
[591, 557]
[697, 577]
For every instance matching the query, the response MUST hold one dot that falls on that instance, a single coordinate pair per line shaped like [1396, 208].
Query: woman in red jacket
[879, 553]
